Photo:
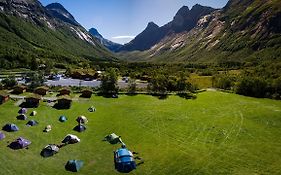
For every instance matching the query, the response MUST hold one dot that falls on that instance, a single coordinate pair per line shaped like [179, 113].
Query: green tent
[113, 138]
[74, 165]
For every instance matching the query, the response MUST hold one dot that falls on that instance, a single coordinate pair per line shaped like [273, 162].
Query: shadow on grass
[61, 107]
[29, 105]
[160, 96]
[187, 95]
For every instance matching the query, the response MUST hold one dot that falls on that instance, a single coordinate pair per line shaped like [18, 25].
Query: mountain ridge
[112, 46]
[29, 31]
[184, 20]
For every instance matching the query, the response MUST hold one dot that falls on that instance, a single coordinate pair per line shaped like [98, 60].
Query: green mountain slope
[244, 31]
[31, 32]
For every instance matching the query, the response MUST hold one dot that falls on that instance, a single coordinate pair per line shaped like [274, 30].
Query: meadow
[217, 133]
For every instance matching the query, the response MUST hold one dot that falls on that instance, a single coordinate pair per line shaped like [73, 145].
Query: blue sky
[121, 20]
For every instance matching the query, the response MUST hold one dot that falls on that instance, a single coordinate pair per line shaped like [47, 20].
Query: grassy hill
[218, 133]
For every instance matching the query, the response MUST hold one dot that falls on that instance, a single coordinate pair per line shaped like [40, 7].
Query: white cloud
[123, 37]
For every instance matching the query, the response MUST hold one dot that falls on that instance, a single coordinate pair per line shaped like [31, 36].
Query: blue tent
[22, 111]
[62, 118]
[22, 117]
[32, 123]
[74, 165]
[20, 143]
[124, 161]
[79, 128]
[2, 136]
[10, 128]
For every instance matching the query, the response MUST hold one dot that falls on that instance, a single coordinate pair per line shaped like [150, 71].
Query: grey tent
[10, 127]
[62, 118]
[74, 165]
[20, 143]
[22, 117]
[2, 136]
[82, 120]
[71, 139]
[50, 150]
[22, 111]
[32, 123]
[79, 128]
[113, 138]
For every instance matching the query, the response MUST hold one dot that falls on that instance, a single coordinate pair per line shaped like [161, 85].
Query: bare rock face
[184, 20]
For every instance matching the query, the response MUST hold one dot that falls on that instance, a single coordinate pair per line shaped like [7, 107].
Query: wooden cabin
[64, 91]
[4, 97]
[64, 102]
[19, 89]
[86, 93]
[41, 90]
[32, 101]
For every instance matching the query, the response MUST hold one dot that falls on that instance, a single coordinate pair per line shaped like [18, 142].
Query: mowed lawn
[218, 133]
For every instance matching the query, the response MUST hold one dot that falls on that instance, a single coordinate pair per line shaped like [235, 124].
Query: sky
[121, 20]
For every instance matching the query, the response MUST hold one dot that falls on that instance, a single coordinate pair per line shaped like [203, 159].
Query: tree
[34, 64]
[158, 84]
[9, 82]
[36, 80]
[109, 82]
[132, 85]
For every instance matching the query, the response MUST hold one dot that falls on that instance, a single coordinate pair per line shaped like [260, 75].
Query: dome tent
[49, 150]
[22, 111]
[32, 123]
[2, 136]
[33, 113]
[20, 143]
[80, 128]
[82, 120]
[10, 127]
[124, 161]
[74, 165]
[22, 117]
[70, 139]
[113, 138]
[62, 118]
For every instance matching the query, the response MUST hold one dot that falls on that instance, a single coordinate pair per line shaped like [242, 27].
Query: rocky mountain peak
[152, 25]
[58, 11]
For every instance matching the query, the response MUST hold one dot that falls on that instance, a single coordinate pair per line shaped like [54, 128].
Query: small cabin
[19, 89]
[64, 91]
[4, 97]
[87, 93]
[64, 102]
[41, 90]
[32, 101]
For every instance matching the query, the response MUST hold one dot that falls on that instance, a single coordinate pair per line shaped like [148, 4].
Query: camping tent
[48, 128]
[33, 113]
[124, 161]
[82, 119]
[92, 109]
[74, 165]
[113, 138]
[10, 128]
[32, 123]
[20, 143]
[22, 117]
[79, 128]
[2, 136]
[22, 111]
[71, 139]
[50, 150]
[62, 118]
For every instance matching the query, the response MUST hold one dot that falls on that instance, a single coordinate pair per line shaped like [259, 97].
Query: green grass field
[218, 133]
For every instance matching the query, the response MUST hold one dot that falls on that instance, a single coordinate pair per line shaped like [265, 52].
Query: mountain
[246, 31]
[58, 11]
[105, 42]
[184, 20]
[30, 31]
